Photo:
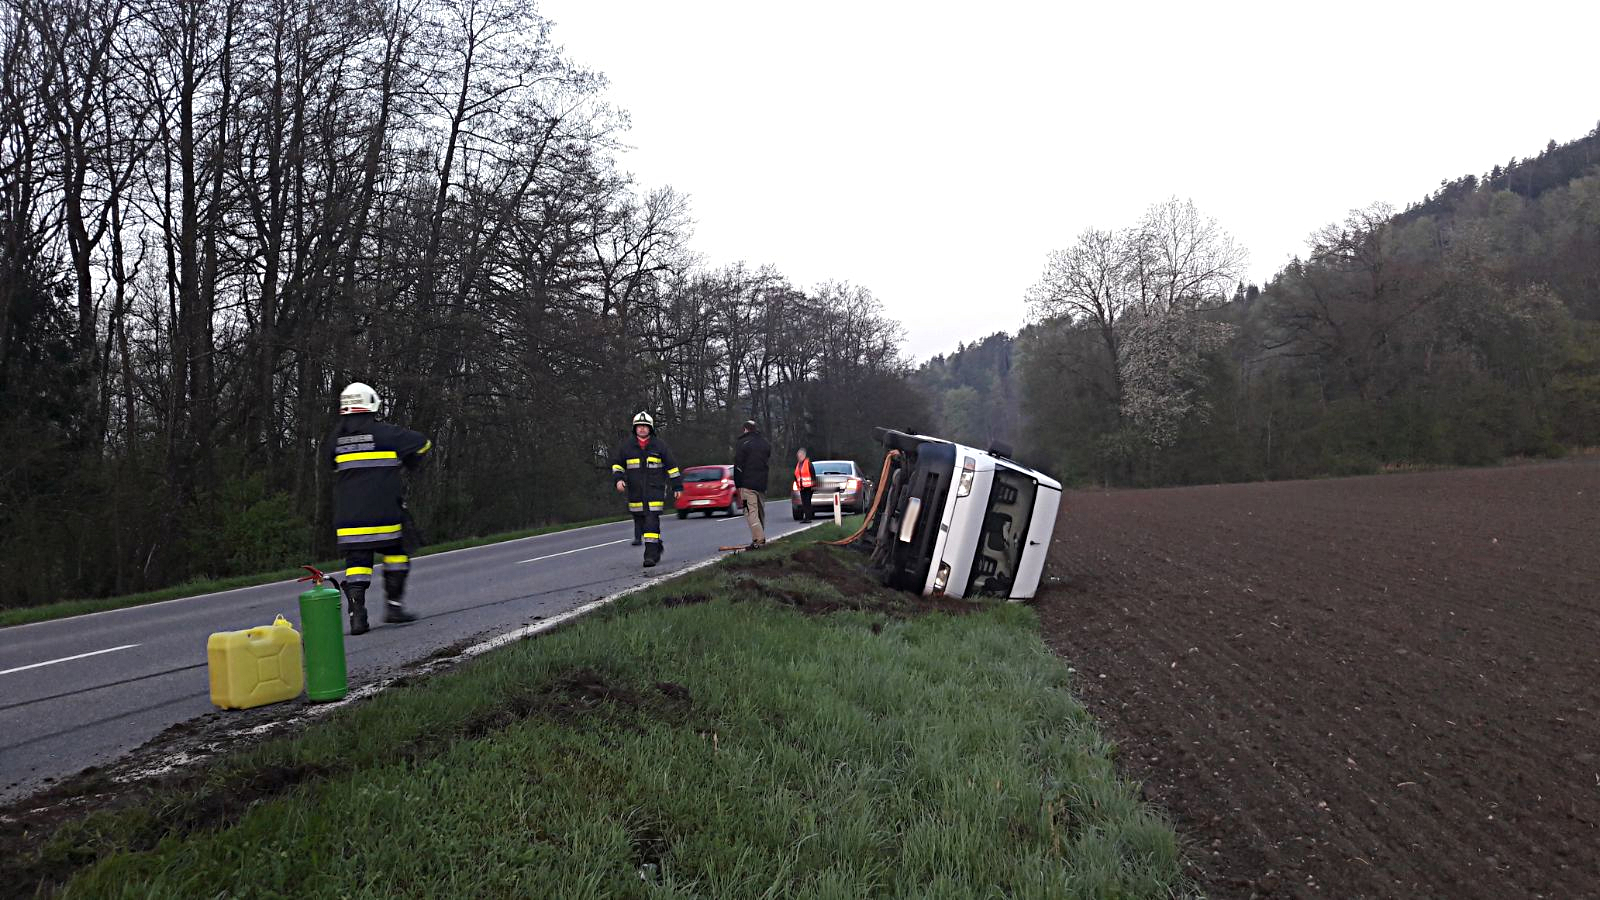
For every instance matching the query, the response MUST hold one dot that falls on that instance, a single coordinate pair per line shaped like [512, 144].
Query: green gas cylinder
[322, 636]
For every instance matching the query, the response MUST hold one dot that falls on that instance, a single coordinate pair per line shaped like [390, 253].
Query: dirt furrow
[1372, 687]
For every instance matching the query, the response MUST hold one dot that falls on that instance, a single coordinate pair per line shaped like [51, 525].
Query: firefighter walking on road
[369, 502]
[645, 470]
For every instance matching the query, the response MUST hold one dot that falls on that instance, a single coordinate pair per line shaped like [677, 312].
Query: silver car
[835, 477]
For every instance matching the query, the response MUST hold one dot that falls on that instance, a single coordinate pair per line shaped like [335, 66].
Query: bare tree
[1142, 291]
[1182, 260]
[1350, 304]
[214, 212]
[1090, 283]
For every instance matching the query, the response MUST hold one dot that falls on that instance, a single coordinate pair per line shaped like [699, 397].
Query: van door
[1045, 507]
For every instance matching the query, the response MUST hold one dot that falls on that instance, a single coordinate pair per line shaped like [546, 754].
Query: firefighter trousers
[647, 527]
[358, 562]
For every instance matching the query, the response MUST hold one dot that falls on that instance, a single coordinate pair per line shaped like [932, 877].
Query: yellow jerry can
[255, 666]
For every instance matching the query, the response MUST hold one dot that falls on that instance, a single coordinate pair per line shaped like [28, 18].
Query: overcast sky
[935, 153]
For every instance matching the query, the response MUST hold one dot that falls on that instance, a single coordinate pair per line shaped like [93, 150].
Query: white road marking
[51, 662]
[361, 692]
[280, 584]
[568, 552]
[559, 619]
[276, 584]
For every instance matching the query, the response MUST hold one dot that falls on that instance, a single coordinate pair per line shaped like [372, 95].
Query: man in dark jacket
[369, 501]
[750, 476]
[645, 470]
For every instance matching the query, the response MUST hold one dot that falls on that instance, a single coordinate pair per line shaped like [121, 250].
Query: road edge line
[377, 686]
[536, 628]
[288, 581]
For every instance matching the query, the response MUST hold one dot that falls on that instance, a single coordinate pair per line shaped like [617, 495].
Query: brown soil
[582, 693]
[1370, 687]
[844, 570]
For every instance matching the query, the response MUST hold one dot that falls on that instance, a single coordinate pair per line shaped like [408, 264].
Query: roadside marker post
[838, 511]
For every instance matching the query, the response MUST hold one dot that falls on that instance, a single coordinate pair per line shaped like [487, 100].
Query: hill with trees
[1462, 330]
[972, 393]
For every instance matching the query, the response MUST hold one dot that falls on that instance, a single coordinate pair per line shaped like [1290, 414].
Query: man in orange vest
[804, 481]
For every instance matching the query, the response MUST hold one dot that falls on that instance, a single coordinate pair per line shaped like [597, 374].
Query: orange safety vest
[802, 474]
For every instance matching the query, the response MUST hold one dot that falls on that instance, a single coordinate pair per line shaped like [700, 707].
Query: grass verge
[65, 608]
[772, 726]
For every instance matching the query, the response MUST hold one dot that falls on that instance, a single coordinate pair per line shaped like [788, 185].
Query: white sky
[935, 152]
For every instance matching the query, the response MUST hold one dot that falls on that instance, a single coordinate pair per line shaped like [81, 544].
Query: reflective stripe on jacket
[369, 492]
[648, 471]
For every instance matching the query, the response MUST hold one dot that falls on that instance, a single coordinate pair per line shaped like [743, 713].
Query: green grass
[727, 748]
[64, 608]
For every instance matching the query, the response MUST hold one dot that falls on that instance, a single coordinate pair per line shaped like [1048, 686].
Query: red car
[708, 489]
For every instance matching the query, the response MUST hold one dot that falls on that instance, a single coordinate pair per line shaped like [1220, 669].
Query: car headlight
[969, 468]
[942, 579]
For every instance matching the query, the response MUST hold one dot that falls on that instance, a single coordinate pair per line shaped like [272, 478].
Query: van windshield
[1005, 527]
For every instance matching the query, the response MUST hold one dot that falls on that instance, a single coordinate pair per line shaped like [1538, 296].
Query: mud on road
[1367, 687]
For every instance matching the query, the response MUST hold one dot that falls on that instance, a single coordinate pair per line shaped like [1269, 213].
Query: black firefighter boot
[355, 596]
[652, 554]
[394, 587]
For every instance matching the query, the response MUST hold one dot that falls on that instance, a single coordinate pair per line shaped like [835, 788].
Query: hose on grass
[877, 498]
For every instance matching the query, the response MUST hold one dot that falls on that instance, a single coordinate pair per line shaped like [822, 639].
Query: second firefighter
[645, 470]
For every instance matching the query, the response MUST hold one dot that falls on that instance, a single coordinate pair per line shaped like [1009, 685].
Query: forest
[1462, 330]
[215, 213]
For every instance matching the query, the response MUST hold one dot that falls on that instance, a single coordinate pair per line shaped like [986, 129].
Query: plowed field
[1366, 687]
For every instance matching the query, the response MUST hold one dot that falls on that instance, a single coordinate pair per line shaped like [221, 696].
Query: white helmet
[359, 398]
[643, 418]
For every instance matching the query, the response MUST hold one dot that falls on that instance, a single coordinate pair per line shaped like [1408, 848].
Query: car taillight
[852, 484]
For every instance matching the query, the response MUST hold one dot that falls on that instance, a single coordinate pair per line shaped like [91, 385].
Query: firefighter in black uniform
[645, 470]
[369, 501]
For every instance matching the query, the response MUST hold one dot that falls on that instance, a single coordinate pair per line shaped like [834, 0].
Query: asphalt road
[82, 691]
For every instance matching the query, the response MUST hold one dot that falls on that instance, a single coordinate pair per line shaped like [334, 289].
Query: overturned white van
[956, 521]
